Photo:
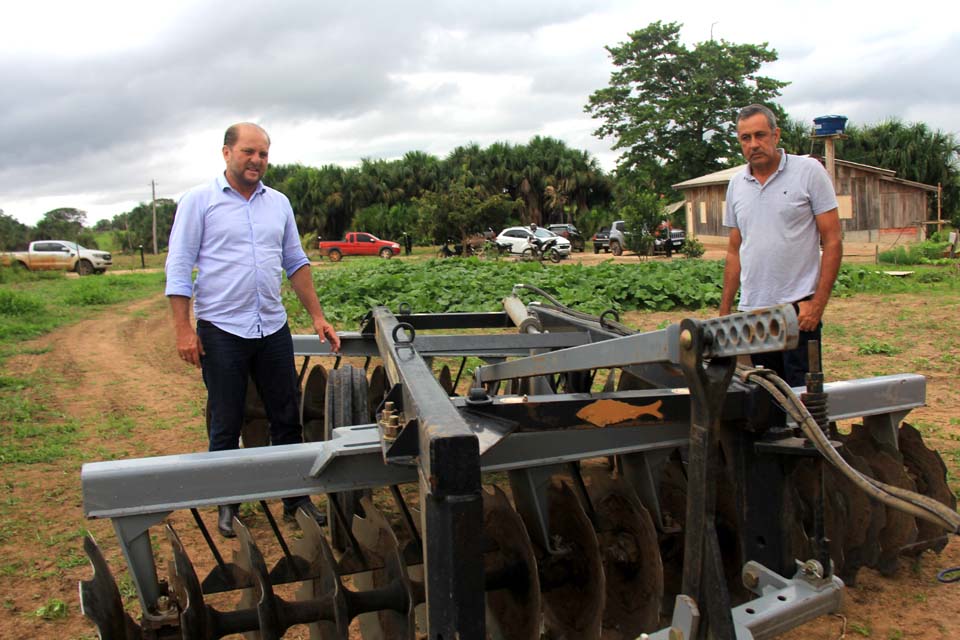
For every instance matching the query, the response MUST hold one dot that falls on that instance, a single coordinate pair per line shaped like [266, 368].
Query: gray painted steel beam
[354, 458]
[772, 329]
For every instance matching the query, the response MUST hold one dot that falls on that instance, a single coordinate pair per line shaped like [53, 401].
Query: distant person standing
[407, 243]
[241, 236]
[781, 209]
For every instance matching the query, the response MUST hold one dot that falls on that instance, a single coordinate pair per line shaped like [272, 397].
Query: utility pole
[153, 188]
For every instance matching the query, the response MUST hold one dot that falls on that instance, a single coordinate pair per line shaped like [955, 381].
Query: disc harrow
[586, 481]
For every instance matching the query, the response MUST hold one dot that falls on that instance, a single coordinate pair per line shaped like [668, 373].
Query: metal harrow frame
[480, 567]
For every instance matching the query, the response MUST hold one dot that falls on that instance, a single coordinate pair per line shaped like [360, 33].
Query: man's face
[247, 159]
[758, 142]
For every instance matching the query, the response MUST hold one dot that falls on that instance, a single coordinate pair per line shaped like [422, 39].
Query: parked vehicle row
[523, 238]
[513, 240]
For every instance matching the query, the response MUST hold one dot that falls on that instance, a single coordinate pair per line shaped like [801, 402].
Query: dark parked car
[601, 240]
[571, 233]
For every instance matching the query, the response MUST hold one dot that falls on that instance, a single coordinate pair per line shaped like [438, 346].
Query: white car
[519, 239]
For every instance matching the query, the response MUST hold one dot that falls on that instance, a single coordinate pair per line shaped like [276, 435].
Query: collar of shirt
[748, 173]
[225, 186]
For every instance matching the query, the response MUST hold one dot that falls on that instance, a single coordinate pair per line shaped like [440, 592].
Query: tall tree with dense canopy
[671, 109]
[65, 223]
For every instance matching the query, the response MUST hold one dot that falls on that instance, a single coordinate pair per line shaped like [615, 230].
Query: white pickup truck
[58, 255]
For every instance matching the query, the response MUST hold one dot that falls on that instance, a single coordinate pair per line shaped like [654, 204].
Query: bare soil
[119, 379]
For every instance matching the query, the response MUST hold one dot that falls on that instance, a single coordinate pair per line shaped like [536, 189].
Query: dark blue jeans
[792, 365]
[227, 364]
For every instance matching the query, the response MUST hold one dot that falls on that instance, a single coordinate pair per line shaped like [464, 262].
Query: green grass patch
[35, 442]
[874, 347]
[54, 609]
[920, 253]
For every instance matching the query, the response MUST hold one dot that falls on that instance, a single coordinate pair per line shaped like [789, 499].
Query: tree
[672, 109]
[795, 135]
[461, 209]
[65, 223]
[13, 233]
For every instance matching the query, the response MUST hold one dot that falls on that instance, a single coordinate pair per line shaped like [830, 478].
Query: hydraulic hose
[917, 505]
[559, 306]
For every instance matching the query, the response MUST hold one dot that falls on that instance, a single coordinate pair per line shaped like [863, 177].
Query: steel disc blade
[900, 529]
[313, 548]
[630, 382]
[260, 596]
[926, 468]
[865, 520]
[189, 594]
[377, 389]
[345, 405]
[445, 378]
[571, 580]
[799, 512]
[673, 506]
[513, 604]
[100, 599]
[312, 404]
[381, 549]
[255, 433]
[631, 557]
[253, 405]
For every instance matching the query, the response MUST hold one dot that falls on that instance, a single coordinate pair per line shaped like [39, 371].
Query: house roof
[725, 175]
[717, 177]
[672, 208]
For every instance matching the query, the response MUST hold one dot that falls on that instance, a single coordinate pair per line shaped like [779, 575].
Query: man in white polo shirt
[781, 209]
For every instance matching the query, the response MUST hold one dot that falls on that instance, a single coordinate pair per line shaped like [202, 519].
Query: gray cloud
[349, 80]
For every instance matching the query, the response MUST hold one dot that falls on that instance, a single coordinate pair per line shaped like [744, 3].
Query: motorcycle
[446, 252]
[539, 249]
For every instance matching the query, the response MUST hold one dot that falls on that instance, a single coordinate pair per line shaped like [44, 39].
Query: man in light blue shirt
[780, 210]
[242, 237]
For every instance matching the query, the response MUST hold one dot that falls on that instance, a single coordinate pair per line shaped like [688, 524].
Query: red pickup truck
[358, 244]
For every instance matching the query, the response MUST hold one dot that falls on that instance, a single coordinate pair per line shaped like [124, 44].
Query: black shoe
[225, 519]
[310, 509]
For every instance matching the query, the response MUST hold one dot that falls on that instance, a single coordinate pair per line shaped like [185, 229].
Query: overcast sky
[98, 98]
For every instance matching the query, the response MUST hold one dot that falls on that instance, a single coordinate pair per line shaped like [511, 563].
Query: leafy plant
[692, 248]
[54, 609]
[874, 347]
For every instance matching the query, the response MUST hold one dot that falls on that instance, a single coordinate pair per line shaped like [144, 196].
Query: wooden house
[873, 202]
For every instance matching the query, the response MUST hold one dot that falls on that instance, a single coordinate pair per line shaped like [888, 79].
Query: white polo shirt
[780, 252]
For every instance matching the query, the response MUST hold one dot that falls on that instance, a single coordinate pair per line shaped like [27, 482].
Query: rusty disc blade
[513, 605]
[631, 557]
[900, 529]
[571, 578]
[926, 468]
[312, 404]
[445, 378]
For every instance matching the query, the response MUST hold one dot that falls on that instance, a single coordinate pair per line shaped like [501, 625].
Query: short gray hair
[751, 110]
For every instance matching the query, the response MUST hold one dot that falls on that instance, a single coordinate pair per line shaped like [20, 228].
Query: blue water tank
[829, 125]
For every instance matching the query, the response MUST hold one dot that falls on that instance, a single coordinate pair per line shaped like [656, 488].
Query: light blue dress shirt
[240, 248]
